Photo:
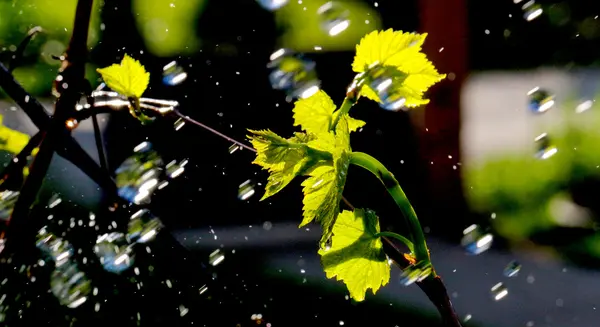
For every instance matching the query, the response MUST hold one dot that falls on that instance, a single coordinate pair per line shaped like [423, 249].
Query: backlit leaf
[356, 255]
[283, 158]
[323, 193]
[128, 78]
[401, 50]
[316, 113]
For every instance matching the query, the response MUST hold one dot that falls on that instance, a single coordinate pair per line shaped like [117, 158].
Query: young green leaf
[323, 192]
[128, 78]
[283, 158]
[401, 50]
[356, 255]
[316, 113]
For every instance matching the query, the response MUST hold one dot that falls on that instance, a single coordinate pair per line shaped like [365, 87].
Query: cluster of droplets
[68, 284]
[145, 172]
[540, 101]
[115, 250]
[293, 73]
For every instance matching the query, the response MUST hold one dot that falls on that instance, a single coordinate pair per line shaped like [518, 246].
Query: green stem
[393, 187]
[400, 238]
[344, 109]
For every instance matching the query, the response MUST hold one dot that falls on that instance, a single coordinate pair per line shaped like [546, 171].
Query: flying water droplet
[512, 269]
[540, 100]
[246, 190]
[54, 201]
[293, 74]
[54, 247]
[234, 147]
[385, 81]
[584, 106]
[475, 240]
[415, 273]
[272, 4]
[544, 147]
[70, 286]
[531, 10]
[175, 169]
[7, 203]
[173, 74]
[143, 227]
[179, 124]
[139, 175]
[334, 17]
[499, 291]
[216, 257]
[114, 253]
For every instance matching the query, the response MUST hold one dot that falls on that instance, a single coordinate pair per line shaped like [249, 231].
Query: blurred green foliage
[302, 26]
[56, 20]
[521, 189]
[169, 27]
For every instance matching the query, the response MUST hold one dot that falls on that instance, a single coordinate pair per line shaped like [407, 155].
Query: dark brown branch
[73, 70]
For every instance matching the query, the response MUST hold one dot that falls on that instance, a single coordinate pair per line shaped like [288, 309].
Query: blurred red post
[446, 23]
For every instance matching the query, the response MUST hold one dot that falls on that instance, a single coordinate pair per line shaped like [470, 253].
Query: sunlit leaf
[356, 255]
[401, 50]
[128, 78]
[323, 192]
[283, 158]
[287, 158]
[316, 114]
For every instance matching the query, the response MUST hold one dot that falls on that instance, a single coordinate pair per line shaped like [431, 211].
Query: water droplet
[512, 269]
[179, 124]
[114, 253]
[532, 10]
[540, 100]
[216, 257]
[246, 190]
[234, 147]
[385, 81]
[70, 286]
[499, 291]
[334, 17]
[7, 203]
[475, 240]
[173, 74]
[138, 176]
[293, 74]
[267, 225]
[415, 273]
[54, 247]
[175, 169]
[584, 106]
[143, 227]
[272, 4]
[544, 147]
[54, 201]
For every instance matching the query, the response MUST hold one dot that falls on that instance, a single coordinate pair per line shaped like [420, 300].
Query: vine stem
[393, 187]
[212, 130]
